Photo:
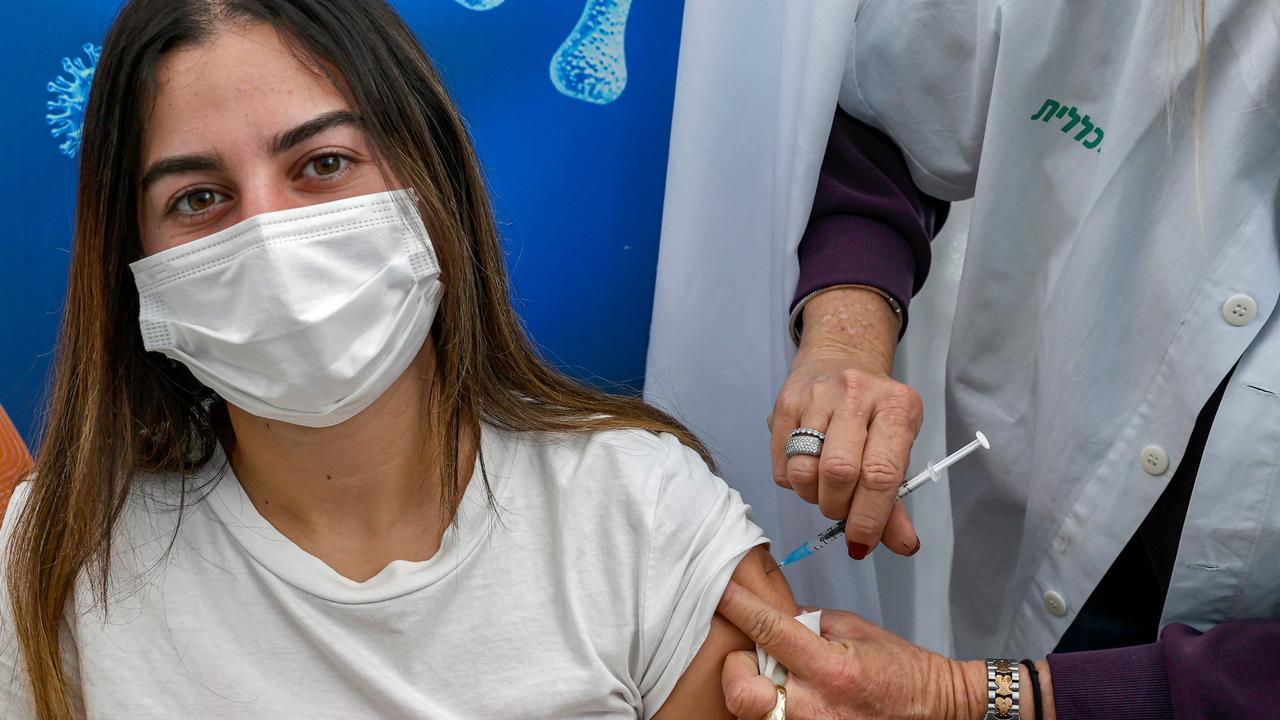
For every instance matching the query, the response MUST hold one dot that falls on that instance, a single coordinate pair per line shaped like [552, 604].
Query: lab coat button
[1055, 604]
[1154, 460]
[1239, 310]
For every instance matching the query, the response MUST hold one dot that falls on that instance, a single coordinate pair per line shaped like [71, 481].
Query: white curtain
[755, 94]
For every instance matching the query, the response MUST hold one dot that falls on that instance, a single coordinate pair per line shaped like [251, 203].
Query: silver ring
[803, 445]
[809, 432]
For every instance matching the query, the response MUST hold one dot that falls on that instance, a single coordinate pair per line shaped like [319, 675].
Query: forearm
[853, 323]
[869, 223]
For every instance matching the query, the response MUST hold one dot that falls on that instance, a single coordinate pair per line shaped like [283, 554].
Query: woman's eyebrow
[178, 164]
[310, 128]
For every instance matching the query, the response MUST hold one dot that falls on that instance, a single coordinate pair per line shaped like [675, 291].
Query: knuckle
[832, 512]
[788, 406]
[880, 474]
[845, 673]
[737, 698]
[853, 384]
[864, 526]
[903, 405]
[766, 627]
[852, 378]
[913, 401]
[894, 416]
[903, 393]
[801, 471]
[804, 483]
[838, 473]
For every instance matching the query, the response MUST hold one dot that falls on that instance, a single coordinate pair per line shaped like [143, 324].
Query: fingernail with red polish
[916, 549]
[857, 551]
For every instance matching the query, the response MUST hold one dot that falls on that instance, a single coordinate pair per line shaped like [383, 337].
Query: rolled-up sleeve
[700, 533]
[870, 225]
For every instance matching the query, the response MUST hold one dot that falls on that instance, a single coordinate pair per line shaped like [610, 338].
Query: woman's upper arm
[699, 693]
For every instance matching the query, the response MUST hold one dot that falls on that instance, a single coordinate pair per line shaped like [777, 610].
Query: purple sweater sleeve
[870, 225]
[1231, 671]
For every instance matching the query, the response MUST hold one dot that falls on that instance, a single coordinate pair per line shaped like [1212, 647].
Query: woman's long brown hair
[116, 410]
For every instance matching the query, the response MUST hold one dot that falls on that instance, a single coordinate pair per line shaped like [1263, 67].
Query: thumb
[747, 693]
[781, 635]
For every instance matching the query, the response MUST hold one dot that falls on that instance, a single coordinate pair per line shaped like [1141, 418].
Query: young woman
[301, 460]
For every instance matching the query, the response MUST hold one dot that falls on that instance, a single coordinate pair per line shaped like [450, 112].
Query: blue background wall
[577, 185]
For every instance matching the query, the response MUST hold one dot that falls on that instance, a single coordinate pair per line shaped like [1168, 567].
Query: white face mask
[304, 316]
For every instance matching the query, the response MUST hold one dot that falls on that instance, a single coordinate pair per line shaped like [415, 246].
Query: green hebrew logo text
[1052, 109]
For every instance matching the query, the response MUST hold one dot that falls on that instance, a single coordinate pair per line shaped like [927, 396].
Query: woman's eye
[325, 165]
[197, 201]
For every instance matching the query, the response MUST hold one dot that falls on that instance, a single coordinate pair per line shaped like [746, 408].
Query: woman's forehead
[242, 85]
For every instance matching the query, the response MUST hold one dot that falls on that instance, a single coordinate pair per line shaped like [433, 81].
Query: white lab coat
[755, 94]
[1102, 298]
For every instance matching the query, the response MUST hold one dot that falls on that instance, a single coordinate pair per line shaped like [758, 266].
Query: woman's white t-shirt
[585, 595]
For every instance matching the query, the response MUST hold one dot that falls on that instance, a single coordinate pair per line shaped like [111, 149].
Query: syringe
[931, 472]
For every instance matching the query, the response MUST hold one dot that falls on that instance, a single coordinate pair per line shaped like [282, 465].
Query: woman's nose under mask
[304, 316]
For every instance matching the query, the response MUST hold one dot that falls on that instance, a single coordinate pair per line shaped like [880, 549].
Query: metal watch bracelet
[1002, 690]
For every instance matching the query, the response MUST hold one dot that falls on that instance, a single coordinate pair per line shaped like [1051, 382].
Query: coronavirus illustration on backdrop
[591, 64]
[71, 92]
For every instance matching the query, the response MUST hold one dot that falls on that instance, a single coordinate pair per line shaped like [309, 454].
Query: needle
[932, 472]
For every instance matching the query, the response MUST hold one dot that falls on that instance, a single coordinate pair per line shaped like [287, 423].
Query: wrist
[854, 323]
[1047, 711]
[969, 690]
[1036, 692]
